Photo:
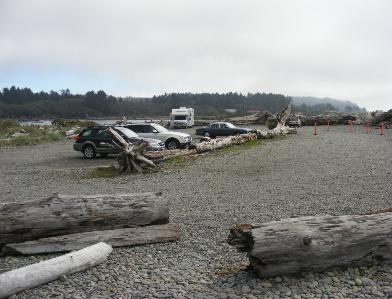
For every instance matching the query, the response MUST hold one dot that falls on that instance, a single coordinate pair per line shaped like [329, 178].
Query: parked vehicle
[221, 129]
[97, 140]
[294, 122]
[172, 140]
[182, 118]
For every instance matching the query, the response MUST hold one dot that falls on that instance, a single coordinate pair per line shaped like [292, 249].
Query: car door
[103, 142]
[224, 130]
[149, 131]
[214, 130]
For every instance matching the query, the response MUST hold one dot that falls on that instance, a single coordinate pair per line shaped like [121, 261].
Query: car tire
[207, 134]
[89, 152]
[172, 144]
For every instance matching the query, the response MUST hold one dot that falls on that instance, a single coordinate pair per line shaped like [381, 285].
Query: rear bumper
[77, 147]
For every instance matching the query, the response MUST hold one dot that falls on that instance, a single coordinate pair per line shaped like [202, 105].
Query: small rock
[358, 281]
[335, 279]
[278, 279]
[266, 284]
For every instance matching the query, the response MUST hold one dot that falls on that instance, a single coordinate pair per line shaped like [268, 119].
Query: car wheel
[207, 134]
[172, 144]
[89, 152]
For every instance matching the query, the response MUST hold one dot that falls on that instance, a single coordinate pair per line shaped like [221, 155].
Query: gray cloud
[335, 48]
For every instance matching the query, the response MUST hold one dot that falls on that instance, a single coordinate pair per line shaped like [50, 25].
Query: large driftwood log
[160, 156]
[315, 243]
[224, 142]
[131, 157]
[31, 276]
[116, 238]
[63, 214]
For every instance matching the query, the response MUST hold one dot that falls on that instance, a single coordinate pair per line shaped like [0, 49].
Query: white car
[172, 140]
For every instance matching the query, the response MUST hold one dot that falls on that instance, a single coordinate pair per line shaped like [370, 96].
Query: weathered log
[315, 243]
[31, 276]
[64, 214]
[224, 142]
[159, 156]
[283, 115]
[131, 157]
[116, 238]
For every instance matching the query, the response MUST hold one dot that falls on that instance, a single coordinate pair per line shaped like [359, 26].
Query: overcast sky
[325, 48]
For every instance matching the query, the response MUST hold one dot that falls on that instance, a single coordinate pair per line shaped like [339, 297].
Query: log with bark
[116, 238]
[315, 244]
[31, 276]
[63, 214]
[131, 157]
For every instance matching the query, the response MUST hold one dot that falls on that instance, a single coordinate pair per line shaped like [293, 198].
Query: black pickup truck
[221, 129]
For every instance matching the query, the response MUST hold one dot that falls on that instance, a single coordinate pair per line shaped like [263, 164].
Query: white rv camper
[182, 118]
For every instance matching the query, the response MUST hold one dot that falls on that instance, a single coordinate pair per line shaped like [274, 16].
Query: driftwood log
[131, 157]
[63, 214]
[116, 238]
[315, 243]
[31, 276]
[217, 143]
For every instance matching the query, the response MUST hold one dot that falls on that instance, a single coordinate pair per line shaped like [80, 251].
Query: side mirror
[154, 131]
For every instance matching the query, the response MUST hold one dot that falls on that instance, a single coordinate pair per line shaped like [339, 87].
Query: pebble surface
[335, 172]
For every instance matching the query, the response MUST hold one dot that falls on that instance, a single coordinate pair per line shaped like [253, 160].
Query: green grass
[103, 172]
[242, 147]
[34, 134]
[31, 134]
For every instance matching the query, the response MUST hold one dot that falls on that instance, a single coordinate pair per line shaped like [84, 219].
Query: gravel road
[335, 172]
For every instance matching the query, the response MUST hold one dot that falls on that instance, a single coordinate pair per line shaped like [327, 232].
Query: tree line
[19, 103]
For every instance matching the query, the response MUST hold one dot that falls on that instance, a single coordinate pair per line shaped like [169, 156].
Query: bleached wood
[315, 243]
[116, 238]
[65, 214]
[131, 157]
[31, 276]
[224, 142]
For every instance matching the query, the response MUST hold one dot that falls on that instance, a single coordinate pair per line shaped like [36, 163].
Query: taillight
[77, 137]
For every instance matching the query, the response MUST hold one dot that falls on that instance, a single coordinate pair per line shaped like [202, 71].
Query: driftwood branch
[131, 157]
[116, 238]
[31, 276]
[315, 243]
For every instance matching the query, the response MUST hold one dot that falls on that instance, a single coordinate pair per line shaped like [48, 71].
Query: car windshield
[127, 132]
[180, 117]
[159, 128]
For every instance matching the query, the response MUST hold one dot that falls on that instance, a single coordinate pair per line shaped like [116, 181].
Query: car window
[224, 126]
[103, 134]
[159, 128]
[87, 133]
[148, 129]
[136, 128]
[126, 132]
[214, 126]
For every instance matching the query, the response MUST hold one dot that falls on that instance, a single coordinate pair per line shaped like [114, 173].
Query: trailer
[182, 118]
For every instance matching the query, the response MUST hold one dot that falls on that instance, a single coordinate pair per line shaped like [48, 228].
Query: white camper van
[182, 118]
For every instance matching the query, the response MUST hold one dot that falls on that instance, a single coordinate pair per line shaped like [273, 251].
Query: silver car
[172, 140]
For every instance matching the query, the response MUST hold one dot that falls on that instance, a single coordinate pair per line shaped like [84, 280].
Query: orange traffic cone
[315, 129]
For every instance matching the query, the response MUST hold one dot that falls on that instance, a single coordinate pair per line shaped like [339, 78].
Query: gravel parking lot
[335, 172]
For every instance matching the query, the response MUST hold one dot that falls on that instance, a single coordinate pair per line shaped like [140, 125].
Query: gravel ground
[335, 173]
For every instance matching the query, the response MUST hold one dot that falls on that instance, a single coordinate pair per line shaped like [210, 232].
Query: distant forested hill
[18, 102]
[333, 104]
